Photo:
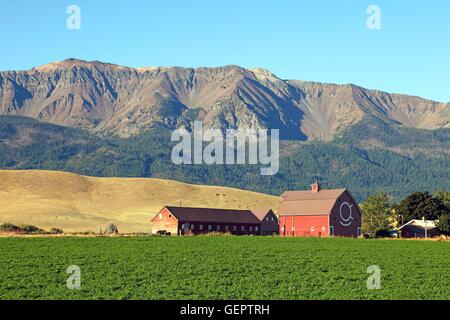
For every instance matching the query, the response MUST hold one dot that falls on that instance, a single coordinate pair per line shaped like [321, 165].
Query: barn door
[358, 232]
[331, 231]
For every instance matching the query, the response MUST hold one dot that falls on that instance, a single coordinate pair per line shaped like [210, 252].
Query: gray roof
[212, 215]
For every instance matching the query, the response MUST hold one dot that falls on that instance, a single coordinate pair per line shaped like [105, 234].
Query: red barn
[187, 221]
[319, 213]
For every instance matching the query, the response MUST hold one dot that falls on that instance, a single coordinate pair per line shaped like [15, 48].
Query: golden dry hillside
[79, 203]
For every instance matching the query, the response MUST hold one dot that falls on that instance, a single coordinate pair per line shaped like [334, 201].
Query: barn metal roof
[307, 207]
[309, 203]
[309, 195]
[420, 224]
[206, 215]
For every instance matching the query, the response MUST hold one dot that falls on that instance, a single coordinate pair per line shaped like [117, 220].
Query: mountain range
[101, 119]
[109, 99]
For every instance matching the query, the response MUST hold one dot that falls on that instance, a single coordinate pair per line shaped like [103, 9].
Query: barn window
[242, 228]
[170, 216]
[209, 227]
[323, 229]
[218, 227]
[250, 228]
[182, 226]
[226, 228]
[267, 219]
[312, 229]
[272, 219]
[160, 216]
[234, 228]
[201, 227]
[192, 226]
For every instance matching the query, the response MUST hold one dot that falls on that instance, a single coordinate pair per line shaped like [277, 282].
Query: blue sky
[325, 41]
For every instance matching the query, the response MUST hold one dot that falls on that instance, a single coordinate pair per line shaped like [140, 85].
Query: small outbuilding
[419, 229]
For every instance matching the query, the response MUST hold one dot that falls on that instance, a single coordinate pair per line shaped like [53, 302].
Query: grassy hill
[80, 203]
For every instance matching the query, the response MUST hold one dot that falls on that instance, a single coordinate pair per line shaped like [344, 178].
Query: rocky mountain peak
[110, 99]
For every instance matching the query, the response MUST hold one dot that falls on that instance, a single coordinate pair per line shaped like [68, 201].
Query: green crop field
[222, 268]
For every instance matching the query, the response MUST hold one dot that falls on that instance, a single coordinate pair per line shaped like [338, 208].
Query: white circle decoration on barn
[346, 221]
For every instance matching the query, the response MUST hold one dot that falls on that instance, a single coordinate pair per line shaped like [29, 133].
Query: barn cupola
[315, 187]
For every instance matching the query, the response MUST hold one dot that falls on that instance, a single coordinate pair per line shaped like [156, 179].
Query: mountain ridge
[100, 119]
[110, 99]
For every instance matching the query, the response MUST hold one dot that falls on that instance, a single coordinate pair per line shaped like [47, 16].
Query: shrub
[9, 227]
[30, 229]
[383, 234]
[111, 229]
[444, 223]
[56, 231]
